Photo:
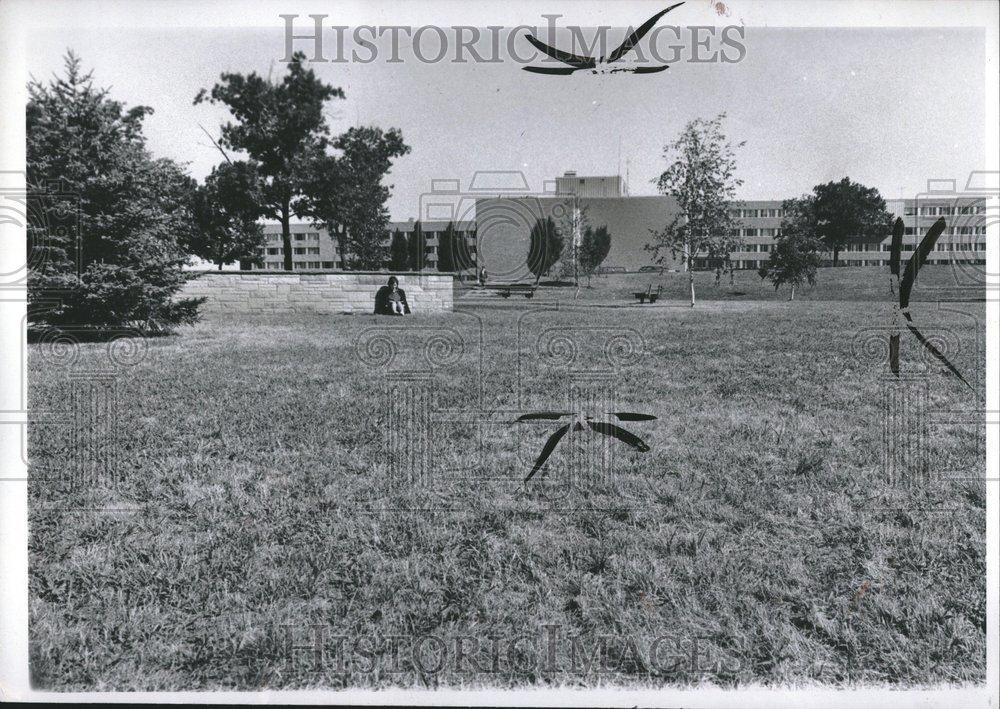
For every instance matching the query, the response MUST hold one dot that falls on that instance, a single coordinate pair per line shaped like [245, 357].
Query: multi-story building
[964, 237]
[499, 237]
[314, 249]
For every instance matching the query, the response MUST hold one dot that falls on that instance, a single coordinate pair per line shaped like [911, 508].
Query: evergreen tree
[417, 246]
[105, 243]
[594, 248]
[399, 252]
[446, 249]
[545, 247]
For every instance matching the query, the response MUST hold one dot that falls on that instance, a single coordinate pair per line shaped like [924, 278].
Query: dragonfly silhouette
[904, 285]
[604, 65]
[582, 422]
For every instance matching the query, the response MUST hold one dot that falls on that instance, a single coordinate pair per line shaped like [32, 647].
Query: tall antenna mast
[619, 155]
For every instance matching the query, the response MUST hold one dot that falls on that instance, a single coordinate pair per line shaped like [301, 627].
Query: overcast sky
[887, 107]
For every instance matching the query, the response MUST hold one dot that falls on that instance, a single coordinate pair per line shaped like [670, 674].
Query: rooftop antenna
[619, 155]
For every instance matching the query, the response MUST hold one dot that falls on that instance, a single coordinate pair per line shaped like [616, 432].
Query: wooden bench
[648, 294]
[507, 289]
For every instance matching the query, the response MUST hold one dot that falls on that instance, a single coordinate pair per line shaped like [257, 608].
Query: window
[299, 251]
[314, 264]
[769, 232]
[751, 232]
[274, 237]
[928, 211]
[765, 247]
[312, 236]
[750, 213]
[909, 211]
[275, 252]
[908, 231]
[300, 237]
[313, 251]
[942, 247]
[328, 264]
[274, 266]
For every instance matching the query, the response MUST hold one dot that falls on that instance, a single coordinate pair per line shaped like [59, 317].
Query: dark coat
[382, 306]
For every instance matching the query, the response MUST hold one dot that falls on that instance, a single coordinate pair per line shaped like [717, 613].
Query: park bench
[506, 289]
[648, 294]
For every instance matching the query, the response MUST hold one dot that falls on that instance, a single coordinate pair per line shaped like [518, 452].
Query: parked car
[650, 269]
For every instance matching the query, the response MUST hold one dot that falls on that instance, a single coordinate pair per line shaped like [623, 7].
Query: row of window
[301, 265]
[944, 211]
[302, 236]
[756, 213]
[953, 230]
[950, 246]
[297, 251]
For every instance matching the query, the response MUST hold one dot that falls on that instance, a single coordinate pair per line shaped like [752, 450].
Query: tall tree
[103, 237]
[594, 248]
[446, 249]
[226, 210]
[418, 243]
[282, 128]
[701, 176]
[545, 247]
[399, 252]
[345, 192]
[838, 212]
[793, 260]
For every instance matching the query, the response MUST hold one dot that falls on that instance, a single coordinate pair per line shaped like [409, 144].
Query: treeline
[111, 226]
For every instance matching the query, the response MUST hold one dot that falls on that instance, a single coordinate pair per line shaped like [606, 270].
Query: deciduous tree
[794, 259]
[226, 209]
[701, 176]
[837, 212]
[281, 126]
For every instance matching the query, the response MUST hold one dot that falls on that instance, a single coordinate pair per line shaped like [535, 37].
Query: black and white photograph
[565, 354]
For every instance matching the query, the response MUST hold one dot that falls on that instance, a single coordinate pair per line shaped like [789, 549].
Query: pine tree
[105, 245]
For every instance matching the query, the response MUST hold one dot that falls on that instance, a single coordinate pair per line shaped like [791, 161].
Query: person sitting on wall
[391, 299]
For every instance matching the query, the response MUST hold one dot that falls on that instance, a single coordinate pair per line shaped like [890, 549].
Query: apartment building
[314, 249]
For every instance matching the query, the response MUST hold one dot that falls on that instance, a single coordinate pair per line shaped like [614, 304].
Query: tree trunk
[691, 284]
[836, 255]
[286, 235]
[793, 292]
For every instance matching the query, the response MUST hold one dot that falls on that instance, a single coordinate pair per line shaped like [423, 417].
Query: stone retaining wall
[263, 292]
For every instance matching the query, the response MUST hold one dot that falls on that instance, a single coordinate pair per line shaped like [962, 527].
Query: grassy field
[936, 283]
[258, 517]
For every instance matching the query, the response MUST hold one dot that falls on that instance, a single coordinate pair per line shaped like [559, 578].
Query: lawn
[960, 281]
[258, 516]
